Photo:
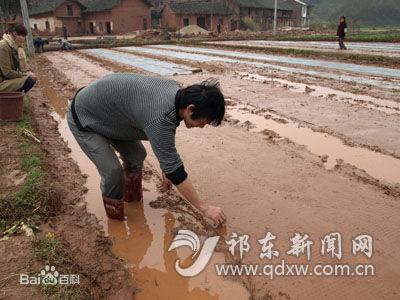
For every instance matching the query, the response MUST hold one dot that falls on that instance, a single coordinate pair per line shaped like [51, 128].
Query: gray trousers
[341, 43]
[101, 151]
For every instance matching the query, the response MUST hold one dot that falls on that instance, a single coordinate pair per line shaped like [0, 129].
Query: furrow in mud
[149, 227]
[282, 187]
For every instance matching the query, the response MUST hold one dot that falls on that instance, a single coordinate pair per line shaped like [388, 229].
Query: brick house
[93, 17]
[262, 12]
[301, 15]
[207, 15]
[176, 14]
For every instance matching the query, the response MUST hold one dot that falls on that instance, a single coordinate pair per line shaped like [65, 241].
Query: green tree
[366, 12]
[9, 9]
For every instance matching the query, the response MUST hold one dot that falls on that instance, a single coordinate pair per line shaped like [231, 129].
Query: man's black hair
[18, 29]
[207, 98]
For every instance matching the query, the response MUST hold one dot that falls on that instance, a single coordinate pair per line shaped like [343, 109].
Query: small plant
[49, 291]
[249, 23]
[25, 121]
[51, 250]
[45, 248]
[30, 162]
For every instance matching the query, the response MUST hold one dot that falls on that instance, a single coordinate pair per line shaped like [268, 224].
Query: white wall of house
[41, 23]
[304, 16]
[304, 13]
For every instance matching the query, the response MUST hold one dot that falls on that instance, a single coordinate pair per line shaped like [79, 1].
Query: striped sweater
[125, 106]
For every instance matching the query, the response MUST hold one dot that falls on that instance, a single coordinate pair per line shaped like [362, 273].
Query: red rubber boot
[114, 208]
[133, 186]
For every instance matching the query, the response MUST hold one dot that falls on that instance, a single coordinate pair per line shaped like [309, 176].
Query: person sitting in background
[341, 32]
[14, 70]
[38, 43]
[65, 45]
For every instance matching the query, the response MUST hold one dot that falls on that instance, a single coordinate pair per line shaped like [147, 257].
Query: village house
[89, 17]
[262, 12]
[205, 14]
[301, 15]
[230, 14]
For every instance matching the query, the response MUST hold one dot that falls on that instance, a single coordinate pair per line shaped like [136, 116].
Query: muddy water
[143, 241]
[204, 56]
[377, 165]
[59, 105]
[387, 106]
[148, 64]
[143, 238]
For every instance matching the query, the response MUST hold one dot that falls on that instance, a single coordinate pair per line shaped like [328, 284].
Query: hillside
[367, 12]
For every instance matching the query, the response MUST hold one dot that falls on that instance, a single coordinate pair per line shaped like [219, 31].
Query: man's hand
[166, 183]
[214, 213]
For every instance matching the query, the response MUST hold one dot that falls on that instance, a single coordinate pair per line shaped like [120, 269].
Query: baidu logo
[49, 276]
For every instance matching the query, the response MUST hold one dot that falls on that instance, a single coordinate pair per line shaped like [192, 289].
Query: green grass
[52, 251]
[37, 199]
[46, 248]
[34, 202]
[25, 121]
[30, 162]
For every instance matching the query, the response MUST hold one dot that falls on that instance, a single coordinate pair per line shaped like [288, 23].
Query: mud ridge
[105, 272]
[323, 129]
[344, 168]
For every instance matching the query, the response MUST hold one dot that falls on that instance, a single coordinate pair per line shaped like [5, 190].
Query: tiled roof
[99, 5]
[200, 8]
[37, 7]
[268, 4]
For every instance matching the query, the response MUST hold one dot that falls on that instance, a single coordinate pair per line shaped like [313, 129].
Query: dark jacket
[340, 31]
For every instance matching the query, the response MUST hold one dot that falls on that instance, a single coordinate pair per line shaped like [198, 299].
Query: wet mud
[377, 165]
[277, 185]
[148, 229]
[353, 68]
[147, 64]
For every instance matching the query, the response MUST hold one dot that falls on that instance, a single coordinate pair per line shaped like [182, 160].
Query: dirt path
[281, 187]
